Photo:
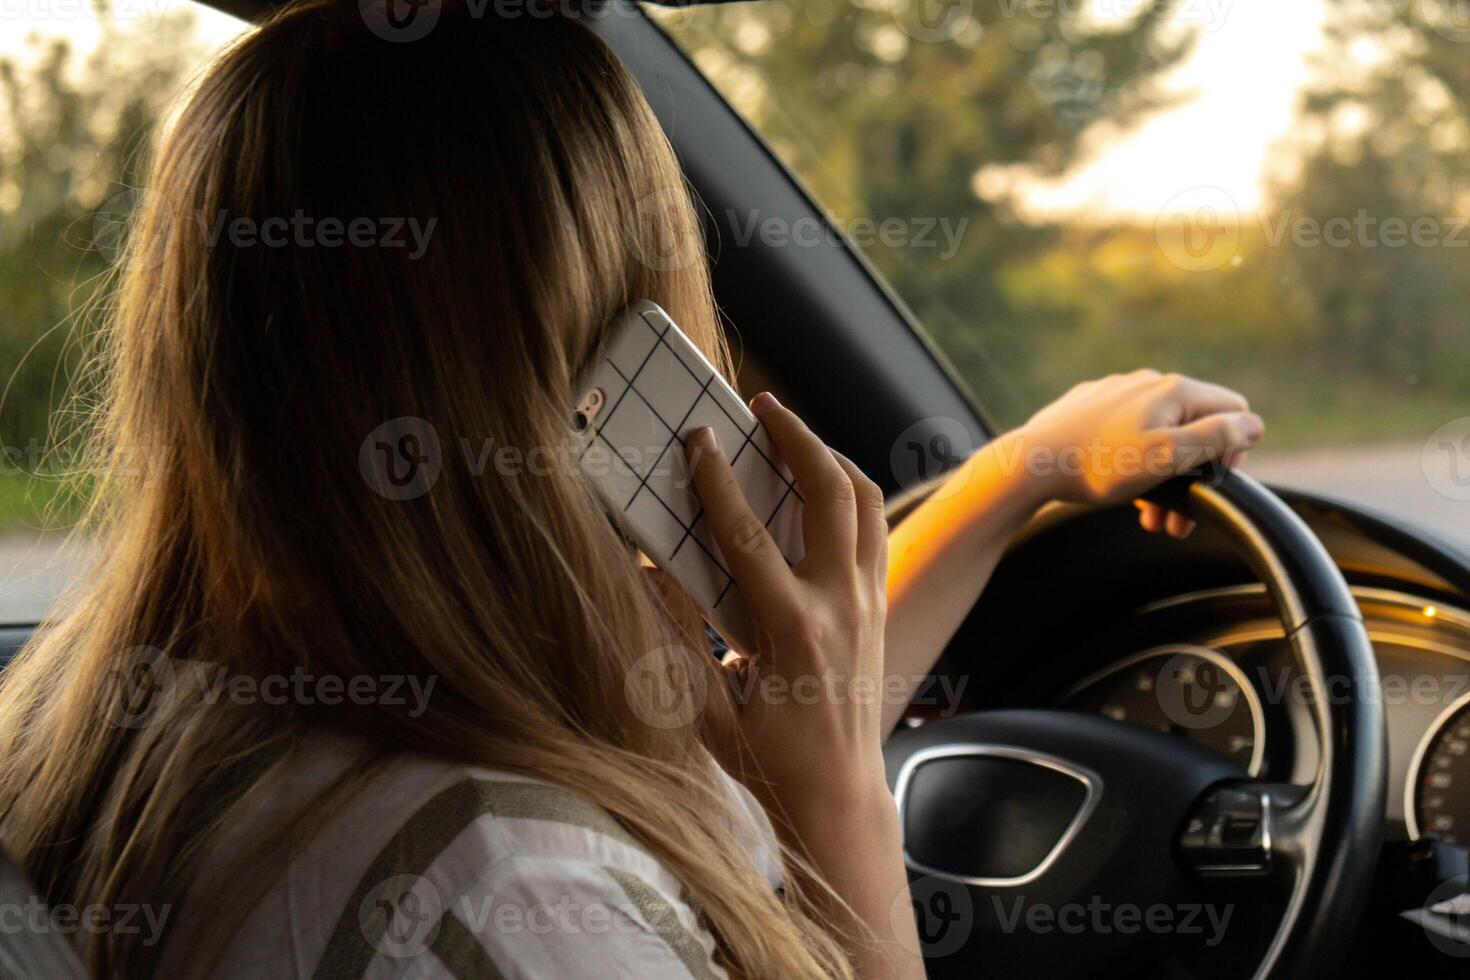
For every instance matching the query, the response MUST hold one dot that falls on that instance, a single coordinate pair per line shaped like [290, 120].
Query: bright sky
[1242, 81]
[74, 19]
[1244, 76]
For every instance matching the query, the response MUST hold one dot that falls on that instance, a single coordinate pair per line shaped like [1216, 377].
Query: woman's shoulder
[416, 809]
[434, 863]
[461, 864]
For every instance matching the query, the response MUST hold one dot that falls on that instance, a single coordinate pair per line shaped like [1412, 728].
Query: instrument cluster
[1220, 673]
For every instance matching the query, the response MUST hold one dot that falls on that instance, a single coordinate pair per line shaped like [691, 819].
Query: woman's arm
[1103, 442]
[941, 556]
[807, 740]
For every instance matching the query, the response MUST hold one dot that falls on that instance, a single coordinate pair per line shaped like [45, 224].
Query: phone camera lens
[579, 421]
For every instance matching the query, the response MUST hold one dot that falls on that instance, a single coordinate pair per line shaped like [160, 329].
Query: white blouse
[443, 871]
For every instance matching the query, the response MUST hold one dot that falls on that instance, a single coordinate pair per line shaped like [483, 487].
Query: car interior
[1222, 723]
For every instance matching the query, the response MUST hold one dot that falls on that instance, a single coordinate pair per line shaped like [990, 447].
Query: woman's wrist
[1030, 468]
[840, 786]
[840, 806]
[853, 843]
[1010, 480]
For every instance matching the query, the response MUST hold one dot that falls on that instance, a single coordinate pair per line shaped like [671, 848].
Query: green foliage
[1355, 341]
[1390, 138]
[74, 135]
[888, 115]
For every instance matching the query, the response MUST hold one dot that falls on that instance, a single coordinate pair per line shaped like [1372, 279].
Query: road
[34, 570]
[1393, 478]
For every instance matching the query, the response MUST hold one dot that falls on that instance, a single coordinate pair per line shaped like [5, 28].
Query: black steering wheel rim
[1326, 833]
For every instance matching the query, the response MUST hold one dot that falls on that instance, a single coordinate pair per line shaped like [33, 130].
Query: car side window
[83, 88]
[1272, 196]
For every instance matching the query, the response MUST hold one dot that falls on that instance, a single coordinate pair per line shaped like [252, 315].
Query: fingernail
[704, 440]
[1254, 426]
[765, 400]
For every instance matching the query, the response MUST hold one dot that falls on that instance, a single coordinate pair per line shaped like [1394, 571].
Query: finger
[1214, 437]
[1195, 399]
[1150, 515]
[1082, 387]
[828, 511]
[1236, 458]
[1177, 525]
[757, 564]
[872, 521]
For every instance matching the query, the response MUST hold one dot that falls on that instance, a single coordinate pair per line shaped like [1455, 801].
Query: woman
[424, 731]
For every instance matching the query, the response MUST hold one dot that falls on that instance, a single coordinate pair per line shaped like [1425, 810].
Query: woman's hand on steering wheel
[1115, 438]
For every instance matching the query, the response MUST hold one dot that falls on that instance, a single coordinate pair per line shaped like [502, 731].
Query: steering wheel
[1045, 843]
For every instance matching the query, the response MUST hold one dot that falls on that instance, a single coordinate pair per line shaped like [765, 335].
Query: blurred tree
[1384, 146]
[891, 108]
[907, 108]
[75, 129]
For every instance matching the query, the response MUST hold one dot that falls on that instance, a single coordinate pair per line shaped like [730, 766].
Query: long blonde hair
[240, 378]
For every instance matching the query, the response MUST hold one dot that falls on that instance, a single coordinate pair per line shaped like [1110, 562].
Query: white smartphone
[633, 411]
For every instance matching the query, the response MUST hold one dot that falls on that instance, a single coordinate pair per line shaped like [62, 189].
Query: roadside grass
[1322, 415]
[34, 505]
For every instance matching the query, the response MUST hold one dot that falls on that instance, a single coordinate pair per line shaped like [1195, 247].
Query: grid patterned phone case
[657, 389]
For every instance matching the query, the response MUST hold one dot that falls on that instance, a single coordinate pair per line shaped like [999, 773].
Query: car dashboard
[1088, 613]
[1215, 667]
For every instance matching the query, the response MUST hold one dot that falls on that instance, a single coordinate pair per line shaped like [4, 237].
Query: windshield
[1274, 196]
[82, 87]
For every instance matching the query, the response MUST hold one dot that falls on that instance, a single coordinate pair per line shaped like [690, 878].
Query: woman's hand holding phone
[818, 625]
[807, 735]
